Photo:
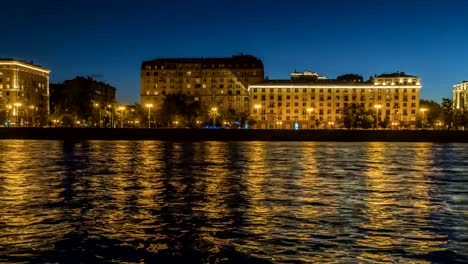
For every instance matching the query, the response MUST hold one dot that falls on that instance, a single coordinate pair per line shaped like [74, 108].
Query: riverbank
[235, 134]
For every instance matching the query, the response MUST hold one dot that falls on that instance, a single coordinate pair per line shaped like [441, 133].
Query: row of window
[305, 104]
[197, 80]
[322, 118]
[328, 112]
[336, 90]
[337, 97]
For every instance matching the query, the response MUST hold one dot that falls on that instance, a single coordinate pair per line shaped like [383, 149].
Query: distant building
[24, 92]
[216, 82]
[460, 94]
[94, 91]
[300, 103]
[82, 99]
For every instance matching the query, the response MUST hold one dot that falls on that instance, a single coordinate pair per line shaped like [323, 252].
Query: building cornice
[25, 65]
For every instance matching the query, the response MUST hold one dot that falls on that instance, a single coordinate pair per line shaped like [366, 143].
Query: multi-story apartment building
[460, 93]
[24, 92]
[216, 82]
[94, 92]
[318, 102]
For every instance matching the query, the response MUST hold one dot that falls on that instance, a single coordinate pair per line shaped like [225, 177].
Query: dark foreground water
[215, 202]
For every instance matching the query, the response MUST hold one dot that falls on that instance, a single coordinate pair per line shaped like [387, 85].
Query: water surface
[244, 202]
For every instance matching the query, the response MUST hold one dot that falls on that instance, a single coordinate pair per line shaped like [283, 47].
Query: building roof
[326, 82]
[9, 61]
[236, 61]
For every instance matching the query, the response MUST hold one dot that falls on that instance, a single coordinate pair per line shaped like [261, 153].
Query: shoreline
[168, 134]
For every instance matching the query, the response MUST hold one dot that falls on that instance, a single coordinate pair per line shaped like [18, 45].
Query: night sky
[108, 40]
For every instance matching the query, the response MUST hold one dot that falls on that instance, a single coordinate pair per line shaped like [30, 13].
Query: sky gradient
[108, 40]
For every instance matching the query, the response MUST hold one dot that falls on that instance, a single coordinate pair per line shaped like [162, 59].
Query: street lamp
[149, 114]
[423, 111]
[99, 109]
[331, 124]
[257, 106]
[112, 115]
[122, 109]
[309, 111]
[215, 112]
[377, 107]
[17, 112]
[394, 124]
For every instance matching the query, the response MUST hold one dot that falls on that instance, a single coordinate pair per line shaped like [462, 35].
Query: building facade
[96, 100]
[460, 93]
[288, 104]
[219, 83]
[24, 93]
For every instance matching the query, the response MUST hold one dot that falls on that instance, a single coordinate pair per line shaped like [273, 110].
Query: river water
[233, 202]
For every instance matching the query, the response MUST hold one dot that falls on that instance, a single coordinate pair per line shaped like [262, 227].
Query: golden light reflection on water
[286, 202]
[393, 206]
[23, 191]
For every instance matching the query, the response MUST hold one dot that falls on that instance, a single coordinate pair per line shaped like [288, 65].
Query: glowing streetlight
[149, 114]
[257, 106]
[214, 112]
[377, 107]
[29, 109]
[99, 109]
[112, 114]
[122, 109]
[423, 113]
[17, 105]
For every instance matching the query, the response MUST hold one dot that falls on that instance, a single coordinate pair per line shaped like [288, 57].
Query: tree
[447, 112]
[350, 77]
[356, 116]
[432, 114]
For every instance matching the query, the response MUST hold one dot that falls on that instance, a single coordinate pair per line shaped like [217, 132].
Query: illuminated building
[216, 82]
[318, 102]
[24, 92]
[460, 93]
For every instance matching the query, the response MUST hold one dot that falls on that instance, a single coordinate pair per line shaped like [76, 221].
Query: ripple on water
[255, 202]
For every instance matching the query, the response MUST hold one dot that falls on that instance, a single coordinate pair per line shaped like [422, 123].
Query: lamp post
[257, 106]
[423, 119]
[377, 107]
[214, 112]
[112, 115]
[122, 109]
[8, 113]
[149, 114]
[309, 111]
[17, 105]
[99, 109]
[31, 115]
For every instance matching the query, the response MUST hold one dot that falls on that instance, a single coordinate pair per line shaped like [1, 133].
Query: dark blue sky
[110, 39]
